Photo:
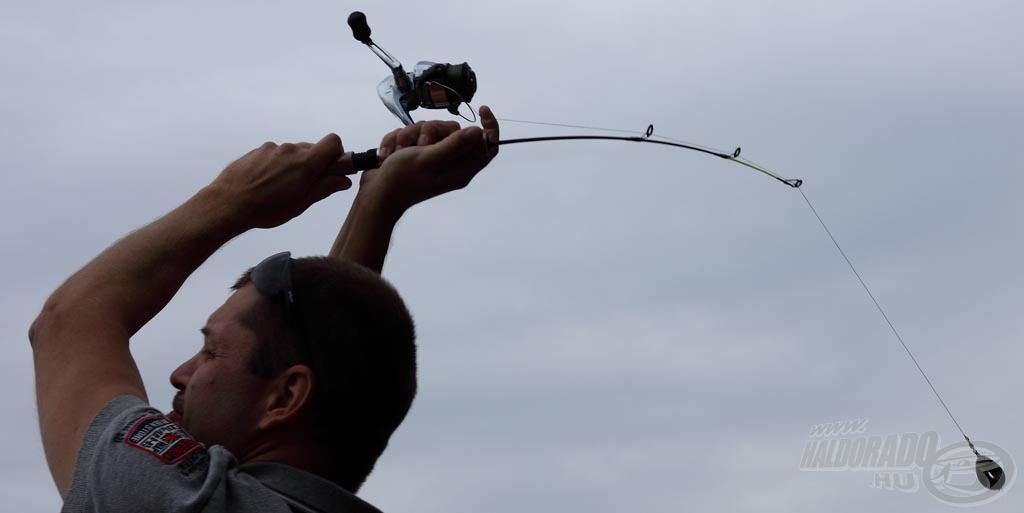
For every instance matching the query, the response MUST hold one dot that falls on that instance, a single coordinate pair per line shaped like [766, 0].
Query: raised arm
[420, 161]
[80, 340]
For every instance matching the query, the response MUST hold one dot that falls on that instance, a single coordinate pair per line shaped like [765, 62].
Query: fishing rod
[435, 86]
[646, 138]
[362, 161]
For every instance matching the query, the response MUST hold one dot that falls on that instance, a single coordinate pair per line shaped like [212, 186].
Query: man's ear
[290, 395]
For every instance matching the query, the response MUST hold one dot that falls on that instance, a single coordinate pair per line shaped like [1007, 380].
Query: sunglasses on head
[272, 278]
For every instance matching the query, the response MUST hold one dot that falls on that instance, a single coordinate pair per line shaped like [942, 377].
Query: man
[306, 369]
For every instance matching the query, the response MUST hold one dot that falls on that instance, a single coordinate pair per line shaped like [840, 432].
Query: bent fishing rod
[435, 86]
[447, 86]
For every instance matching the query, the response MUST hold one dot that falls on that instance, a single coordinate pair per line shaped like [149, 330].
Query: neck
[302, 455]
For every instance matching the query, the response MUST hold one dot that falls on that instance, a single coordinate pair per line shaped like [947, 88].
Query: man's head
[324, 379]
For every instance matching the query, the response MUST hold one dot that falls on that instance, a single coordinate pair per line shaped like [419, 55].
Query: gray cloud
[603, 326]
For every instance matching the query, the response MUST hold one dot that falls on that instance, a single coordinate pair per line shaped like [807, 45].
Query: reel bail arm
[431, 85]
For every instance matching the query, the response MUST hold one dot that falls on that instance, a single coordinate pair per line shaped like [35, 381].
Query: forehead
[239, 306]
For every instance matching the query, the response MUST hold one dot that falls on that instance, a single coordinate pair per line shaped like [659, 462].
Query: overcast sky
[603, 326]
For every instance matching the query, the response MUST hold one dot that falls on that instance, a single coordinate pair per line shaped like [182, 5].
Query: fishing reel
[430, 85]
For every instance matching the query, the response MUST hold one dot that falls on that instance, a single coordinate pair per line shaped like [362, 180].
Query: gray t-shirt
[133, 459]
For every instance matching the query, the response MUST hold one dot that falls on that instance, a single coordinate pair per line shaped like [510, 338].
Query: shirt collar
[305, 490]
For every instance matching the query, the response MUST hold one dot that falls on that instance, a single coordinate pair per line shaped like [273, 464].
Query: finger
[488, 121]
[387, 145]
[327, 186]
[428, 135]
[491, 130]
[328, 150]
[455, 145]
[435, 131]
[408, 136]
[468, 159]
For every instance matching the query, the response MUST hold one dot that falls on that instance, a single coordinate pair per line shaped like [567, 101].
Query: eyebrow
[208, 335]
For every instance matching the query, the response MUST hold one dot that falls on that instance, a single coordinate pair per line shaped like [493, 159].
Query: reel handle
[360, 30]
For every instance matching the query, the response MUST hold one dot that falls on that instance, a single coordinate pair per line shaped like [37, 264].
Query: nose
[181, 375]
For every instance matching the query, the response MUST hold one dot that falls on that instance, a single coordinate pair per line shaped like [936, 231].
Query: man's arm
[420, 161]
[80, 339]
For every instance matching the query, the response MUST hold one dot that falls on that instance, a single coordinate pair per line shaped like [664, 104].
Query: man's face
[219, 400]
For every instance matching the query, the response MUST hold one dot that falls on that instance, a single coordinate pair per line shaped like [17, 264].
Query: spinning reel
[430, 85]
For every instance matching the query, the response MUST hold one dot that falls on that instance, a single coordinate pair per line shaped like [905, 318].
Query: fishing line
[884, 315]
[989, 473]
[575, 126]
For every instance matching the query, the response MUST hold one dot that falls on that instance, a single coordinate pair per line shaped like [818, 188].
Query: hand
[272, 184]
[428, 159]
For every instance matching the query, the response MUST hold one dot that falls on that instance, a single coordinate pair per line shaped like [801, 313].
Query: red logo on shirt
[157, 435]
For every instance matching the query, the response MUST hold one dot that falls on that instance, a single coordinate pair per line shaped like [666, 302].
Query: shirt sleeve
[133, 458]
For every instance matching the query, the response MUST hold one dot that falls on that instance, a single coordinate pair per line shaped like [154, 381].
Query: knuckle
[407, 138]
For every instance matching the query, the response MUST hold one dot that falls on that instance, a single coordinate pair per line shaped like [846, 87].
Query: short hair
[365, 373]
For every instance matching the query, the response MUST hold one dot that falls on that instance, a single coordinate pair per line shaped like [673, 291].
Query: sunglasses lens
[274, 274]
